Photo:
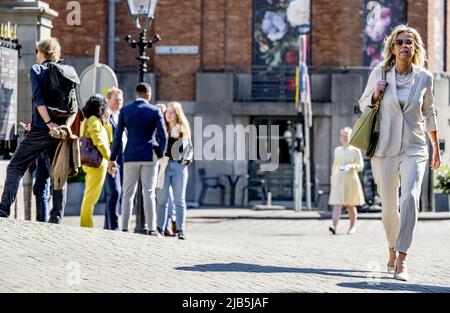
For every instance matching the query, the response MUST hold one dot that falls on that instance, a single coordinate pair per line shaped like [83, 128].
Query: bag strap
[380, 99]
[85, 126]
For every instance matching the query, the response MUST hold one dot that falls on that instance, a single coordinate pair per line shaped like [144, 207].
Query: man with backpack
[54, 104]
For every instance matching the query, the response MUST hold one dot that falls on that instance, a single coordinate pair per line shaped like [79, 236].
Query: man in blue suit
[113, 184]
[141, 120]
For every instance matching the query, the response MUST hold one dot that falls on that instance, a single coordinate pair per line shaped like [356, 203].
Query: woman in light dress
[346, 190]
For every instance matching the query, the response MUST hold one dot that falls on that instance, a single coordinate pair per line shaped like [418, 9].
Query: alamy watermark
[373, 273]
[213, 142]
[74, 15]
[73, 277]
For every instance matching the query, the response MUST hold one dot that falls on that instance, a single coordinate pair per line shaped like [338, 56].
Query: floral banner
[380, 17]
[277, 25]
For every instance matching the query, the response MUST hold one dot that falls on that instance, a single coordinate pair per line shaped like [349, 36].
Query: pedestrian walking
[141, 120]
[38, 140]
[346, 190]
[407, 115]
[96, 127]
[179, 154]
[113, 183]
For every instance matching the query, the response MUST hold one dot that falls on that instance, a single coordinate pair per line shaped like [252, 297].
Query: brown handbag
[89, 154]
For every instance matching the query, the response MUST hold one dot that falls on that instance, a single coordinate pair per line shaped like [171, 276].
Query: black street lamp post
[143, 44]
[142, 9]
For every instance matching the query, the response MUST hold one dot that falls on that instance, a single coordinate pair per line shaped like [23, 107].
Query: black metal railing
[277, 84]
[273, 83]
[10, 43]
[8, 36]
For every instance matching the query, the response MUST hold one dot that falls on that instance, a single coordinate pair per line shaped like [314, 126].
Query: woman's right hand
[381, 86]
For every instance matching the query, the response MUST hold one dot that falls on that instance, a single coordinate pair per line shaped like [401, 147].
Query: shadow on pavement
[252, 268]
[397, 287]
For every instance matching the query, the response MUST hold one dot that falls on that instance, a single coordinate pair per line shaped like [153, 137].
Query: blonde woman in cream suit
[407, 116]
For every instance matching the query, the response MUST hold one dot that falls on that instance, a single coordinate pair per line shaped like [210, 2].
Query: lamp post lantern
[142, 11]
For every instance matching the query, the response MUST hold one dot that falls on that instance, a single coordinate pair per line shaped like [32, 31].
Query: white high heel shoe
[403, 276]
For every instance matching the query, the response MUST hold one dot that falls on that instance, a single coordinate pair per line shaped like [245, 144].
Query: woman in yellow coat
[96, 127]
[346, 190]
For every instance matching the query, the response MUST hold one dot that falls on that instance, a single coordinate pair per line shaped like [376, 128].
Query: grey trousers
[147, 173]
[390, 173]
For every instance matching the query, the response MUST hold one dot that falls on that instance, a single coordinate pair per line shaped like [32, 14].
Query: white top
[404, 84]
[115, 116]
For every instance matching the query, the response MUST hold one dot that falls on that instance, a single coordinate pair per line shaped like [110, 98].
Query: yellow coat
[101, 135]
[345, 186]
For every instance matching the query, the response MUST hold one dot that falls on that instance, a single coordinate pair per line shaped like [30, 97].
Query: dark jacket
[114, 128]
[141, 120]
[183, 150]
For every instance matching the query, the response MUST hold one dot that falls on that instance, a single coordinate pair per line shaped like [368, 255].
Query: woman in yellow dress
[96, 127]
[346, 190]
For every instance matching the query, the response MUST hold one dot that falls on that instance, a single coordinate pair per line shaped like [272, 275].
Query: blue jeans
[41, 187]
[176, 176]
[113, 196]
[171, 212]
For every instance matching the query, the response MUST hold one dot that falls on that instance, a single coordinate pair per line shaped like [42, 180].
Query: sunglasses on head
[400, 42]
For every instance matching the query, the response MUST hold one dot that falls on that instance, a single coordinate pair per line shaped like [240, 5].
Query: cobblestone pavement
[222, 253]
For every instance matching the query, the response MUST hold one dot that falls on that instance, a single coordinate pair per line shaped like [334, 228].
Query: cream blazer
[403, 130]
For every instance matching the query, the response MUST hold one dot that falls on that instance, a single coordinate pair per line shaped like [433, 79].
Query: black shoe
[181, 235]
[332, 230]
[160, 231]
[3, 214]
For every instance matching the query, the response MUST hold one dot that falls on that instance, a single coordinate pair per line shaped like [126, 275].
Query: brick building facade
[222, 29]
[216, 83]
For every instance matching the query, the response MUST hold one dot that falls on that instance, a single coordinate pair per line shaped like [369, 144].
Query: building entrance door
[280, 182]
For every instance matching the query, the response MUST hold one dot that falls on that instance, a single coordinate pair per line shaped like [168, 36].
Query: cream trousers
[147, 173]
[389, 173]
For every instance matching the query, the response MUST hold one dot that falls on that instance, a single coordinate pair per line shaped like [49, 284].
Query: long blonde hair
[420, 53]
[182, 121]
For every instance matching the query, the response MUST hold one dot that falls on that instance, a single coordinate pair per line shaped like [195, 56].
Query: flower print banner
[380, 17]
[277, 26]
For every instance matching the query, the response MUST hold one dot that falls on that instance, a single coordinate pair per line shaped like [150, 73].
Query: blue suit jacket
[141, 120]
[114, 128]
